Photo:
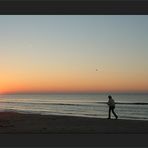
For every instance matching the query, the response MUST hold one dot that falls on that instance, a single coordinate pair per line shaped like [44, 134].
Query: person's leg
[114, 113]
[109, 112]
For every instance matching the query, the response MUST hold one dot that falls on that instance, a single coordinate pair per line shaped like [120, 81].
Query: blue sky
[48, 47]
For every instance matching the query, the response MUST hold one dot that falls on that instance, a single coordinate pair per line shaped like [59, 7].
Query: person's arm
[108, 103]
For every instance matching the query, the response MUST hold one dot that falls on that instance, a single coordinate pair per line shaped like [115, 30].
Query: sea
[128, 106]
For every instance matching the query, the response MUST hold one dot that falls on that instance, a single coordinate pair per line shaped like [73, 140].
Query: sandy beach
[11, 122]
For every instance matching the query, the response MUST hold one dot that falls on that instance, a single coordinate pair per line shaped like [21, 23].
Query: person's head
[110, 97]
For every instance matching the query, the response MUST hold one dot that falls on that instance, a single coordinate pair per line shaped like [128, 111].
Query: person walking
[111, 105]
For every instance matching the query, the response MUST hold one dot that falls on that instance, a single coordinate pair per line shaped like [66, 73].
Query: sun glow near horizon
[62, 53]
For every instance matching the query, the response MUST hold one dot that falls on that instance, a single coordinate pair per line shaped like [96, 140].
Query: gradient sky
[61, 53]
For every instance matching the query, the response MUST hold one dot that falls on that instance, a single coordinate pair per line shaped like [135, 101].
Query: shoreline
[71, 115]
[13, 122]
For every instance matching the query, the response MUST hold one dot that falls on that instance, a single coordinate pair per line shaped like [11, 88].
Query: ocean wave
[75, 104]
[39, 103]
[126, 103]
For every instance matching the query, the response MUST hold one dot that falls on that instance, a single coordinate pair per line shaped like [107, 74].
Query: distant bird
[96, 69]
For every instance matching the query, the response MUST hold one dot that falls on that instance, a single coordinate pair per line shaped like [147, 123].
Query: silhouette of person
[111, 104]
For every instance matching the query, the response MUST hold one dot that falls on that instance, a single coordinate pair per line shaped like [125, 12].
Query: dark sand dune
[11, 122]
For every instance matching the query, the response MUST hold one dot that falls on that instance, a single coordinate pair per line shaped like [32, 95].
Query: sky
[73, 53]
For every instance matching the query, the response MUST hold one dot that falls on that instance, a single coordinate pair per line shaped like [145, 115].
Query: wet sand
[11, 122]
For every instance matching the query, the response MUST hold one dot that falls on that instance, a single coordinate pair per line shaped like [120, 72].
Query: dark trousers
[111, 108]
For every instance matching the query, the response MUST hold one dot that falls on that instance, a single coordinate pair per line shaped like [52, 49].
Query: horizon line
[77, 92]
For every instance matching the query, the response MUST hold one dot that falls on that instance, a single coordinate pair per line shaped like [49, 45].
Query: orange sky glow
[61, 54]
